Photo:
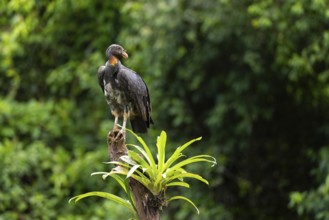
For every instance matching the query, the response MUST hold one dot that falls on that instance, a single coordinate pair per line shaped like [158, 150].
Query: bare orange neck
[113, 60]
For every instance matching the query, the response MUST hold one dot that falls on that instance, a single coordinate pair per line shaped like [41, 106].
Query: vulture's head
[117, 51]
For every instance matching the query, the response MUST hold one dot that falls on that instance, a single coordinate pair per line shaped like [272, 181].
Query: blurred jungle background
[250, 77]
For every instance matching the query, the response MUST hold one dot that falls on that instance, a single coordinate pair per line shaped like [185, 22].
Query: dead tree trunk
[146, 204]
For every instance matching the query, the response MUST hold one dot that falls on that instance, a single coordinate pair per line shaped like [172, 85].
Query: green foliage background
[251, 77]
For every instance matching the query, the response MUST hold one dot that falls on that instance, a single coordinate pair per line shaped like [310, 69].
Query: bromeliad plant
[155, 175]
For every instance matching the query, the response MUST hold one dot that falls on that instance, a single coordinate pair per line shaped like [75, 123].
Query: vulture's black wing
[101, 73]
[137, 91]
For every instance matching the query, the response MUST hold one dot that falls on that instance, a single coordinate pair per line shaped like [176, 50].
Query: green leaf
[147, 150]
[108, 196]
[148, 165]
[146, 182]
[132, 170]
[184, 198]
[117, 163]
[177, 154]
[143, 152]
[171, 172]
[104, 174]
[121, 182]
[119, 170]
[178, 184]
[195, 159]
[187, 175]
[139, 159]
[128, 160]
[161, 145]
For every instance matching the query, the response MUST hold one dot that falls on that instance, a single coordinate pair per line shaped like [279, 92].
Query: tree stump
[146, 206]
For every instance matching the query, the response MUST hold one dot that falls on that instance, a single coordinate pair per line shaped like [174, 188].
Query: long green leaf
[148, 152]
[184, 198]
[177, 153]
[98, 173]
[146, 148]
[104, 174]
[200, 158]
[141, 150]
[187, 175]
[121, 182]
[147, 166]
[147, 183]
[171, 172]
[140, 177]
[105, 195]
[161, 145]
[128, 160]
[119, 170]
[124, 184]
[181, 148]
[130, 195]
[159, 183]
[138, 158]
[144, 165]
[178, 184]
[132, 170]
[118, 163]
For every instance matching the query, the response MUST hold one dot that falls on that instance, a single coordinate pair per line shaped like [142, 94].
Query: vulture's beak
[124, 55]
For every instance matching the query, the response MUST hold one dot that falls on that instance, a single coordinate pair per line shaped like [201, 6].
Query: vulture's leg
[124, 124]
[125, 119]
[116, 118]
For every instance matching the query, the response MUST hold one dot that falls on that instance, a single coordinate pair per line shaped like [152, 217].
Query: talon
[122, 132]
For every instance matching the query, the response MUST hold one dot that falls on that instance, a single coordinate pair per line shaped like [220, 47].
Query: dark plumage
[125, 91]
